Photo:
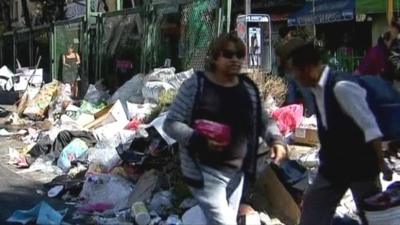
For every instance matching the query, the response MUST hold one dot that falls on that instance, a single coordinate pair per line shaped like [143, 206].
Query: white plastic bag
[140, 111]
[107, 189]
[105, 156]
[177, 80]
[161, 202]
[152, 90]
[161, 74]
[132, 88]
[95, 96]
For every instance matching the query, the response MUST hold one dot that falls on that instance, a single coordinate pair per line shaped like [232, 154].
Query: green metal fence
[26, 45]
[123, 43]
[180, 32]
[341, 61]
[66, 33]
[8, 53]
[200, 20]
[120, 45]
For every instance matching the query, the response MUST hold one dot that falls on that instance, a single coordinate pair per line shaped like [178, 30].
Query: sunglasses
[228, 54]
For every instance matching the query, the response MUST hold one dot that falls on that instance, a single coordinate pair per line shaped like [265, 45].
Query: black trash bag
[72, 185]
[149, 152]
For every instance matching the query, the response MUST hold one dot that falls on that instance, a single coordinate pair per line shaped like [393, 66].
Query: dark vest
[344, 154]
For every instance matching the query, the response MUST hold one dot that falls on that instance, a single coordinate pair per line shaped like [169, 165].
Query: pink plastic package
[218, 132]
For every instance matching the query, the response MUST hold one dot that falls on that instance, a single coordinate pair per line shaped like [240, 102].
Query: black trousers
[323, 196]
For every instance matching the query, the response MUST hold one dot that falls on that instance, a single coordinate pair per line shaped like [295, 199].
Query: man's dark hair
[218, 45]
[305, 55]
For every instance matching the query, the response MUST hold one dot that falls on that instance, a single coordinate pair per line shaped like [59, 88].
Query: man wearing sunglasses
[216, 170]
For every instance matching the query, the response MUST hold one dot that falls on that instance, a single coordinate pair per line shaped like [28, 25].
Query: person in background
[348, 133]
[216, 171]
[375, 61]
[393, 64]
[254, 56]
[70, 75]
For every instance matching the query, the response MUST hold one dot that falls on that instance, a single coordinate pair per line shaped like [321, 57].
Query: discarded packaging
[307, 132]
[161, 202]
[110, 114]
[105, 156]
[37, 107]
[107, 189]
[42, 213]
[145, 186]
[71, 152]
[140, 213]
[173, 220]
[271, 196]
[307, 136]
[288, 118]
[53, 192]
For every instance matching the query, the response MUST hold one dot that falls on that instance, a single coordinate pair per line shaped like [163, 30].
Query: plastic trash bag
[72, 151]
[288, 118]
[106, 189]
[161, 74]
[161, 202]
[104, 156]
[95, 95]
[153, 89]
[43, 213]
[130, 91]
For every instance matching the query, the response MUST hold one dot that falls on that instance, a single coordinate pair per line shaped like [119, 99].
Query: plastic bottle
[140, 213]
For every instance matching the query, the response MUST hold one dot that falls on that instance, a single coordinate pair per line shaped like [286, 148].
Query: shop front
[335, 25]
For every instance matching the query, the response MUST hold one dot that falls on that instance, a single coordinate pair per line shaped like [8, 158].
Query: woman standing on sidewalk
[70, 75]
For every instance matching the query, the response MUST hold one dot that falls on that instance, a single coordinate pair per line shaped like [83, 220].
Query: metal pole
[228, 15]
[248, 7]
[14, 51]
[314, 27]
[119, 5]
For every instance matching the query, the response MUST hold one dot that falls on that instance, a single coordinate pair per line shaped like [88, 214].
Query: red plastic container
[217, 132]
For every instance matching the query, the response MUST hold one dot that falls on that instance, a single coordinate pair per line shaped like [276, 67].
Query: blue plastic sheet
[43, 213]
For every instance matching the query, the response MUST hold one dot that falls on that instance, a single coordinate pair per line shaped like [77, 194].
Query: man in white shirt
[351, 154]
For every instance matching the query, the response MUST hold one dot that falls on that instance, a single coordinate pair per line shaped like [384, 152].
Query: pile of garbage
[108, 156]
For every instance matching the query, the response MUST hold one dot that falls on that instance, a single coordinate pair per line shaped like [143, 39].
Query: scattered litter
[42, 213]
[53, 192]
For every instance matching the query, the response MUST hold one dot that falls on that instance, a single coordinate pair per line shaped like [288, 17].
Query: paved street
[19, 191]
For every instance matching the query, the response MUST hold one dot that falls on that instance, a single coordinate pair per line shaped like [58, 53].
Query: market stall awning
[374, 6]
[325, 11]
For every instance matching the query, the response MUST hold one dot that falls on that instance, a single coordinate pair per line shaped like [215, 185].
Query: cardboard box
[306, 136]
[271, 196]
[115, 113]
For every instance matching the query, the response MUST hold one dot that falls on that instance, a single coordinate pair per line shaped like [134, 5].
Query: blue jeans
[220, 196]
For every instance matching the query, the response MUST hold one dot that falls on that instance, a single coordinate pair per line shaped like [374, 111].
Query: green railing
[345, 62]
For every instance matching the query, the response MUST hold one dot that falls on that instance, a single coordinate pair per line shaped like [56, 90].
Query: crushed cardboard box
[306, 136]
